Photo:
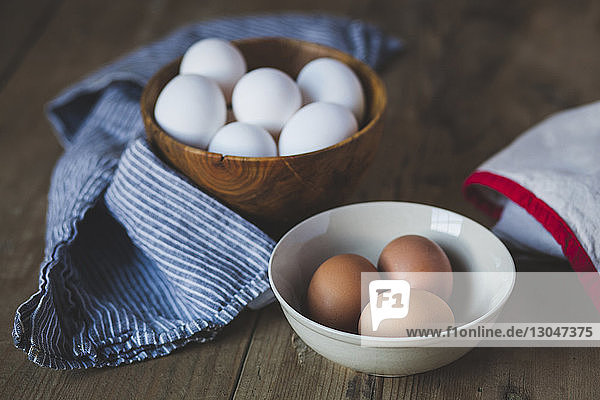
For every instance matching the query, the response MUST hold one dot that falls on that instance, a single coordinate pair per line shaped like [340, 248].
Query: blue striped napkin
[138, 261]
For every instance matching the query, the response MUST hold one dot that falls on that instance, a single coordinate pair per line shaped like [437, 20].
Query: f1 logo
[389, 299]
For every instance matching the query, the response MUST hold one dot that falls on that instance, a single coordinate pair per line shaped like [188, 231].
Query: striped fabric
[138, 261]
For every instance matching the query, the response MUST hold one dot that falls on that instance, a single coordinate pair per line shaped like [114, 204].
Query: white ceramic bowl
[364, 229]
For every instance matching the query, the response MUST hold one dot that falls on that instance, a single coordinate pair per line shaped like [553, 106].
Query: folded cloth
[545, 188]
[138, 261]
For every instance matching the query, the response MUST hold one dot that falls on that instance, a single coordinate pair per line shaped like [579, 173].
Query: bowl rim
[353, 337]
[378, 86]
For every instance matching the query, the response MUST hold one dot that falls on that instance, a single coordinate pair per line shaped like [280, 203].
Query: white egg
[316, 126]
[217, 59]
[241, 139]
[191, 108]
[330, 80]
[266, 97]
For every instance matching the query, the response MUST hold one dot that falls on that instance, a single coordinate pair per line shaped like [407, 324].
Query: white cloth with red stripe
[544, 188]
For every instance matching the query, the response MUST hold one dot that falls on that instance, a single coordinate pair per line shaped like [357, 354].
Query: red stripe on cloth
[561, 232]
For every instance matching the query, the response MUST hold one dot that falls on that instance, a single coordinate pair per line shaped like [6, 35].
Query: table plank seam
[244, 358]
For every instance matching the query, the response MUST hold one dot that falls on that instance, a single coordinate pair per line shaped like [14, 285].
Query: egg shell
[420, 261]
[216, 59]
[245, 140]
[315, 127]
[425, 311]
[191, 108]
[334, 293]
[266, 97]
[327, 79]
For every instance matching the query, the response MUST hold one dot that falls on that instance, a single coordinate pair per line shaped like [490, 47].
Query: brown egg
[425, 311]
[334, 296]
[409, 257]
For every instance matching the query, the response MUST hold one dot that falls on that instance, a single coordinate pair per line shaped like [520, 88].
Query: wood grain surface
[474, 75]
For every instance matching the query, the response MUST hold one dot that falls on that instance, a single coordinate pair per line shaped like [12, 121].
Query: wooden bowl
[276, 191]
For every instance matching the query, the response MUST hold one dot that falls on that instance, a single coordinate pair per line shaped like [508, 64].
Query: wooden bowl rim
[377, 84]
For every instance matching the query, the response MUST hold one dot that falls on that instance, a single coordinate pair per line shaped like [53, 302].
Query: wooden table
[474, 75]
